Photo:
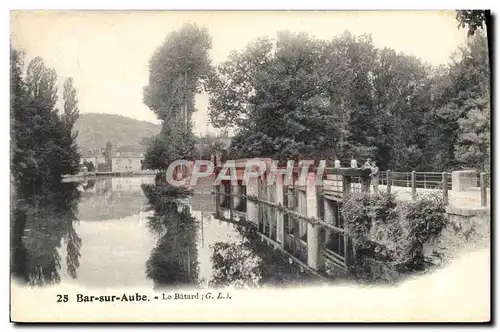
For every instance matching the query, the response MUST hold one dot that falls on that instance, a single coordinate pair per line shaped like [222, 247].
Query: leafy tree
[172, 143]
[299, 96]
[69, 117]
[18, 112]
[232, 84]
[464, 87]
[90, 165]
[303, 96]
[107, 155]
[177, 71]
[473, 145]
[276, 98]
[71, 111]
[472, 19]
[42, 145]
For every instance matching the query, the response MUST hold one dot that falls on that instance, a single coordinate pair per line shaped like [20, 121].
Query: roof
[129, 151]
[91, 153]
[130, 148]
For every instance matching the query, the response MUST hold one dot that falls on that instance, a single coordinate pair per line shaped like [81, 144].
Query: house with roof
[94, 156]
[127, 158]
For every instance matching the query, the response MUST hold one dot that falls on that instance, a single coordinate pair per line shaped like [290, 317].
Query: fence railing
[430, 180]
[426, 180]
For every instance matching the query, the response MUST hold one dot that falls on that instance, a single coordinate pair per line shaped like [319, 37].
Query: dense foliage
[43, 146]
[344, 97]
[177, 71]
[388, 238]
[472, 19]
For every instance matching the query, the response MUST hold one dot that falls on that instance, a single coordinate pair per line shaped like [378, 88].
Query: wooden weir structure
[303, 220]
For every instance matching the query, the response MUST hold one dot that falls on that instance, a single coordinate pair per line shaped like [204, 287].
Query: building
[127, 158]
[94, 156]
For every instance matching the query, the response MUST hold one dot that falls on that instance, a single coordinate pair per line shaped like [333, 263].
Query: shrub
[424, 219]
[390, 233]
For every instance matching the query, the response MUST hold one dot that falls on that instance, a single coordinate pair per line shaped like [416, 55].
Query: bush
[390, 233]
[425, 219]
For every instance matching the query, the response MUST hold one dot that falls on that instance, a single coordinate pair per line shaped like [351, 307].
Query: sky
[107, 52]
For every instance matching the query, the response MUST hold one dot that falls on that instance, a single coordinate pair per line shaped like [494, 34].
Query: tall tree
[461, 95]
[177, 71]
[107, 155]
[69, 117]
[71, 111]
[43, 150]
[18, 113]
[276, 97]
[303, 96]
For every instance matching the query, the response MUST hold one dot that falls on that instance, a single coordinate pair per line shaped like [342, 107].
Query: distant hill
[94, 129]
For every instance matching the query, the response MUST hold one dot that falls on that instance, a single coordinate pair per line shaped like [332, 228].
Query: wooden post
[389, 181]
[329, 217]
[280, 236]
[482, 180]
[252, 207]
[445, 187]
[231, 201]
[319, 201]
[236, 199]
[313, 231]
[346, 185]
[365, 185]
[413, 185]
[217, 200]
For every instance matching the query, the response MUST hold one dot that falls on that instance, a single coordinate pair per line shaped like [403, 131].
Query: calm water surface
[120, 232]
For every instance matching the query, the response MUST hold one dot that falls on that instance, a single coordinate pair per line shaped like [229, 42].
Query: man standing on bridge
[374, 175]
[367, 164]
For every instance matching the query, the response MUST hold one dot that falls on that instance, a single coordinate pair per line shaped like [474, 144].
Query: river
[127, 232]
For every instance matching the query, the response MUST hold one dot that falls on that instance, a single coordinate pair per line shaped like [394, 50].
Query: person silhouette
[367, 164]
[375, 176]
[354, 163]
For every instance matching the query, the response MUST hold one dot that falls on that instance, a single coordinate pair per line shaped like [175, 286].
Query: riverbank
[91, 175]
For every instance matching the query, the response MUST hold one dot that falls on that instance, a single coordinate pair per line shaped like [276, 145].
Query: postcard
[250, 166]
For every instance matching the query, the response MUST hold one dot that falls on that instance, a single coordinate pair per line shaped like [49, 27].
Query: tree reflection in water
[174, 260]
[40, 225]
[253, 263]
[235, 265]
[248, 262]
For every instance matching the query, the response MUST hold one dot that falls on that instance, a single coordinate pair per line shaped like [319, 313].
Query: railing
[430, 180]
[425, 180]
[318, 235]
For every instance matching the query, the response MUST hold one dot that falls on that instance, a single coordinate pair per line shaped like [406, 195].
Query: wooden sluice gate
[303, 219]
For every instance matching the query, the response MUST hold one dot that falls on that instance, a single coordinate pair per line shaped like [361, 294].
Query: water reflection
[133, 233]
[174, 260]
[199, 249]
[41, 225]
[111, 198]
[252, 262]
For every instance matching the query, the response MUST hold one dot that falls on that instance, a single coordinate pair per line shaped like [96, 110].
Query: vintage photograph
[244, 166]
